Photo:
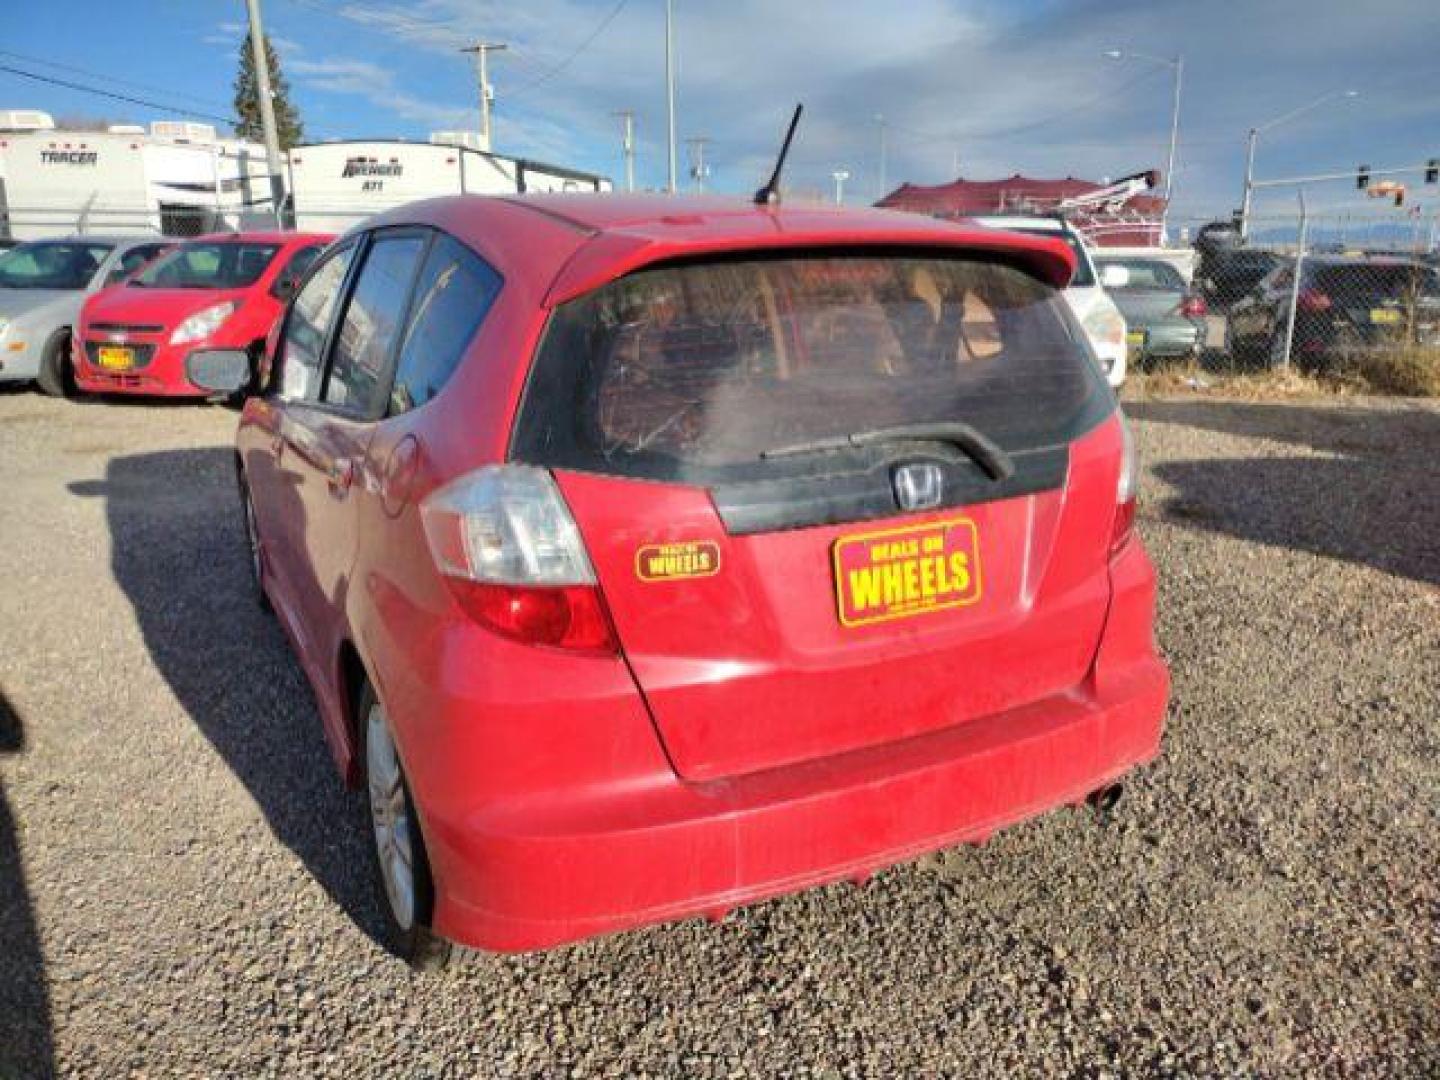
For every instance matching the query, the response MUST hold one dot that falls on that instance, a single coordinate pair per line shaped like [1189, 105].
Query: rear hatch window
[722, 373]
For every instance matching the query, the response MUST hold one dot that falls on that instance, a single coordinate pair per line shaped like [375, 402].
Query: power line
[110, 78]
[228, 120]
[563, 64]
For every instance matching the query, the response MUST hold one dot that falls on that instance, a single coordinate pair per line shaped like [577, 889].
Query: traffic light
[1432, 171]
[1362, 178]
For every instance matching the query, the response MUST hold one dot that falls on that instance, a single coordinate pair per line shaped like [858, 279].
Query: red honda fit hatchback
[650, 557]
[215, 292]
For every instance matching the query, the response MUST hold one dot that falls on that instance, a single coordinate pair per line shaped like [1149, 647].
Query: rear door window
[453, 295]
[302, 347]
[371, 325]
[703, 372]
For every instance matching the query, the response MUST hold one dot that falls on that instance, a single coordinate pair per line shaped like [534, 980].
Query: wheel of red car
[407, 891]
[57, 375]
[252, 545]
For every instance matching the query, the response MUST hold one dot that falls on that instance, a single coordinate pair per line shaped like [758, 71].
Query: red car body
[715, 731]
[138, 322]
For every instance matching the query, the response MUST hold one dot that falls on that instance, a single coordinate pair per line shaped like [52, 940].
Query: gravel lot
[183, 888]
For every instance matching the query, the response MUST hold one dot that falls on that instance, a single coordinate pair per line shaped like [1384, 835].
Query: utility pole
[884, 187]
[267, 112]
[1249, 183]
[698, 168]
[670, 91]
[482, 50]
[627, 145]
[840, 175]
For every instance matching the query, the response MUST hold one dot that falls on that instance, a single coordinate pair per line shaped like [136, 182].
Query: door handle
[341, 476]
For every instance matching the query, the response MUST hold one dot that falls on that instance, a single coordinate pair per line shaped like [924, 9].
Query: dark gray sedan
[1164, 317]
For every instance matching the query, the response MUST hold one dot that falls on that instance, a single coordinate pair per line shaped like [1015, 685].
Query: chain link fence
[179, 220]
[1327, 295]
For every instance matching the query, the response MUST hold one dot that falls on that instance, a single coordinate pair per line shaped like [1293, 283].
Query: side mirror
[219, 371]
[1114, 276]
[283, 288]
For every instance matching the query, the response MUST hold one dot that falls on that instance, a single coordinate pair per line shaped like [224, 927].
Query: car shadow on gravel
[26, 1043]
[178, 551]
[1368, 494]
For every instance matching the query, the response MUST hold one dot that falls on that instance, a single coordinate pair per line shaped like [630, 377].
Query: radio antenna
[769, 195]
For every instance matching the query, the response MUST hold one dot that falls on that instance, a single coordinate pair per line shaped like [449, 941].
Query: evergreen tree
[247, 106]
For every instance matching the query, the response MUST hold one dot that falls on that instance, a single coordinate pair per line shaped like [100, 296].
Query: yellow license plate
[1135, 337]
[1384, 315]
[896, 573]
[116, 358]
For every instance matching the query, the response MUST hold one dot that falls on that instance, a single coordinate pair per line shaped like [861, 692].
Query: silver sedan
[43, 284]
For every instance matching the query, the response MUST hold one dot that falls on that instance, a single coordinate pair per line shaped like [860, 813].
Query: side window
[133, 260]
[301, 349]
[453, 295]
[371, 324]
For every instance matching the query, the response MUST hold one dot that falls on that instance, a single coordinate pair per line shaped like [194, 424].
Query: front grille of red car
[143, 353]
[126, 328]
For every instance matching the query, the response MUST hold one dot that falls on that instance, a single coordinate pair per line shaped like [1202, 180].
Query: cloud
[376, 85]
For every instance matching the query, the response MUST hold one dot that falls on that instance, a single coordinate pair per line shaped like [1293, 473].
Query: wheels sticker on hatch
[913, 570]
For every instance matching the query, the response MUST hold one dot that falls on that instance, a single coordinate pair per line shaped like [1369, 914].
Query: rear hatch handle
[983, 450]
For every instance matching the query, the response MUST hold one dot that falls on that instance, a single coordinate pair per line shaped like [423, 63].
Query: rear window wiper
[983, 450]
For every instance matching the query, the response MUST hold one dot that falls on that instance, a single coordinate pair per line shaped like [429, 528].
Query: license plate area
[115, 357]
[1384, 316]
[898, 573]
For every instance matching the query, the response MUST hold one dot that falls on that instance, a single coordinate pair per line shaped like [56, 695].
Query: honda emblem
[919, 486]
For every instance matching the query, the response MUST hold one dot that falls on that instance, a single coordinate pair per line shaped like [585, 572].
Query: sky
[992, 87]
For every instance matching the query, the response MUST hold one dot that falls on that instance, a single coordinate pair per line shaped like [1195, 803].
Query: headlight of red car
[203, 323]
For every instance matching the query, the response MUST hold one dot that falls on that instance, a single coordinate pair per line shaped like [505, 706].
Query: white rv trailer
[335, 185]
[179, 179]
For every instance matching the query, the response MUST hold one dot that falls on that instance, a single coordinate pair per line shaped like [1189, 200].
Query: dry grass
[1405, 371]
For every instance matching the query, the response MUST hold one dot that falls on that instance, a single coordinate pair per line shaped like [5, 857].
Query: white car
[43, 284]
[1103, 323]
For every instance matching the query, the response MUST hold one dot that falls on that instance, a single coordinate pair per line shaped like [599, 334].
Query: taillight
[1124, 489]
[1193, 307]
[1313, 300]
[511, 553]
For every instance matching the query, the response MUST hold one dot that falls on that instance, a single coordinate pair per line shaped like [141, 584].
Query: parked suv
[1100, 316]
[650, 557]
[215, 292]
[1344, 304]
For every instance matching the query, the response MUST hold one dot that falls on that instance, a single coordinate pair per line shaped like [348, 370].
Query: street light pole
[1177, 65]
[670, 90]
[1253, 137]
[840, 175]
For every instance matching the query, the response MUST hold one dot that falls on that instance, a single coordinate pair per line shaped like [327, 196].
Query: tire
[57, 375]
[252, 544]
[402, 870]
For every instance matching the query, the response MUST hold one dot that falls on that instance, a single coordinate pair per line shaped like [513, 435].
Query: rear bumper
[608, 863]
[1170, 340]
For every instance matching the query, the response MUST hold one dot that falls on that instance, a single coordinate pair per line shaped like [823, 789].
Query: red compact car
[650, 557]
[214, 292]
